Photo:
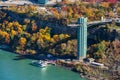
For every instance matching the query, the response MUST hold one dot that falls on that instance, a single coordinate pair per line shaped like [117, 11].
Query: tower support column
[82, 38]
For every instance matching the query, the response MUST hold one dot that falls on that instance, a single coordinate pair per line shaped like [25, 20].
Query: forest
[24, 28]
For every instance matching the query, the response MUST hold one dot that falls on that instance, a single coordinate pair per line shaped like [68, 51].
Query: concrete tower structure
[82, 37]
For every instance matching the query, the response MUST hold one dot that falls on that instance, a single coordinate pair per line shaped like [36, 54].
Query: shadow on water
[34, 65]
[32, 57]
[19, 57]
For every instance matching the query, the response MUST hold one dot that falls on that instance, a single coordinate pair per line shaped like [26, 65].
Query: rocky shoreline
[87, 71]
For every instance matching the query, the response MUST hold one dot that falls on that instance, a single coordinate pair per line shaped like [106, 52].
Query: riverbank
[84, 69]
[111, 70]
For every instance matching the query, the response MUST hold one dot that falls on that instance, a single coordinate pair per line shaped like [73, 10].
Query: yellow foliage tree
[56, 37]
[7, 38]
[22, 42]
[105, 4]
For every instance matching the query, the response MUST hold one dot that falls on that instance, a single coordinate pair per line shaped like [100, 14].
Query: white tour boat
[39, 63]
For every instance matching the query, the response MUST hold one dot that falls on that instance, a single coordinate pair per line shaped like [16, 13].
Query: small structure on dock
[97, 64]
[89, 60]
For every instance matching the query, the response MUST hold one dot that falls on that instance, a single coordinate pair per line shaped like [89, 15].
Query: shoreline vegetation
[31, 32]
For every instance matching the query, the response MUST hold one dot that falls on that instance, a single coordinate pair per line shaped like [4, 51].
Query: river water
[11, 69]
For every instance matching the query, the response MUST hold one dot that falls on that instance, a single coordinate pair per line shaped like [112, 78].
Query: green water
[11, 69]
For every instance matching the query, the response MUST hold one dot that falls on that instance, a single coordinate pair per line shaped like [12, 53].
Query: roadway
[16, 3]
[25, 2]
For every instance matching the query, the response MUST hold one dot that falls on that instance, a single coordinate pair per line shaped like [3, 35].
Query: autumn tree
[22, 42]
